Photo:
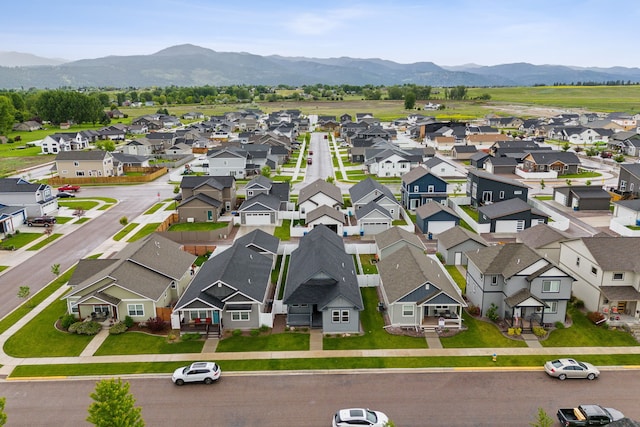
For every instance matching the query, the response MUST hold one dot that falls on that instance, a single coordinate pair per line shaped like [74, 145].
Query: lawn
[19, 240]
[144, 231]
[587, 174]
[3, 267]
[283, 232]
[142, 343]
[584, 333]
[374, 335]
[64, 219]
[283, 284]
[479, 334]
[82, 220]
[544, 197]
[457, 277]
[154, 208]
[367, 266]
[126, 230]
[39, 338]
[472, 212]
[78, 204]
[287, 341]
[198, 226]
[41, 244]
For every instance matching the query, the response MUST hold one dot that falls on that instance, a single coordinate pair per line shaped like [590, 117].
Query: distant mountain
[19, 59]
[189, 65]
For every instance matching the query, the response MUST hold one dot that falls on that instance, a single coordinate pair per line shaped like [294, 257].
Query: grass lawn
[544, 197]
[39, 338]
[20, 240]
[198, 226]
[144, 231]
[64, 219]
[153, 208]
[142, 343]
[105, 206]
[82, 220]
[589, 174]
[473, 213]
[367, 266]
[479, 334]
[283, 232]
[126, 230]
[287, 341]
[283, 284]
[41, 244]
[457, 277]
[584, 333]
[374, 335]
[78, 204]
[3, 267]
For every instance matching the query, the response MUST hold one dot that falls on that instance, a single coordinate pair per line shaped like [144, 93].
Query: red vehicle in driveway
[309, 161]
[68, 187]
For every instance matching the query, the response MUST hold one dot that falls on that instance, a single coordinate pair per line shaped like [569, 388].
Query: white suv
[359, 417]
[197, 372]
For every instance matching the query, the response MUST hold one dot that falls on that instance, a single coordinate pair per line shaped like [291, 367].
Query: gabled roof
[417, 173]
[540, 235]
[394, 235]
[202, 198]
[479, 156]
[457, 235]
[320, 271]
[508, 259]
[320, 186]
[631, 168]
[507, 207]
[365, 210]
[19, 185]
[324, 210]
[491, 177]
[267, 201]
[217, 182]
[429, 209]
[83, 155]
[464, 148]
[366, 187]
[549, 157]
[259, 239]
[615, 253]
[502, 161]
[409, 268]
[632, 204]
[260, 181]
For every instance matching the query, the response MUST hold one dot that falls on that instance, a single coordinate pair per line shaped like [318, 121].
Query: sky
[586, 33]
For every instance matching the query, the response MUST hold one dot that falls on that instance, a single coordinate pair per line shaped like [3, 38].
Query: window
[487, 196]
[237, 316]
[618, 276]
[517, 192]
[74, 308]
[494, 280]
[431, 189]
[407, 310]
[198, 314]
[594, 270]
[631, 186]
[623, 185]
[79, 173]
[501, 195]
[340, 316]
[416, 188]
[553, 307]
[76, 164]
[578, 261]
[550, 286]
[135, 309]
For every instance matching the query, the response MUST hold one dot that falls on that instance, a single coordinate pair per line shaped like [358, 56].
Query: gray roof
[521, 296]
[508, 259]
[590, 192]
[320, 186]
[502, 161]
[83, 155]
[203, 198]
[19, 185]
[396, 234]
[409, 268]
[324, 210]
[259, 239]
[540, 235]
[365, 210]
[486, 175]
[260, 181]
[321, 271]
[367, 186]
[632, 168]
[633, 204]
[218, 182]
[615, 253]
[269, 202]
[457, 235]
[479, 156]
[465, 148]
[417, 173]
[549, 157]
[429, 209]
[507, 207]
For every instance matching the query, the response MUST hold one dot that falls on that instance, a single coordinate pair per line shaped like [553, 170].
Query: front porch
[441, 317]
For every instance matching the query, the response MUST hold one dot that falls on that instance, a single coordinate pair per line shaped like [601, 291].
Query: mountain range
[189, 65]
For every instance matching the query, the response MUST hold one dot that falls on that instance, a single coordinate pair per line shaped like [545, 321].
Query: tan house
[81, 164]
[205, 198]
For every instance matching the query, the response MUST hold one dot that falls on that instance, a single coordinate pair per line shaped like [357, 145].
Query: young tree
[114, 405]
[55, 269]
[265, 171]
[24, 292]
[542, 419]
[3, 415]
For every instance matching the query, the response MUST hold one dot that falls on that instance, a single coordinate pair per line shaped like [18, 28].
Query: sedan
[359, 417]
[64, 195]
[570, 368]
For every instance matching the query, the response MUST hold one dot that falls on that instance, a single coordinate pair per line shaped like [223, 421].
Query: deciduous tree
[114, 406]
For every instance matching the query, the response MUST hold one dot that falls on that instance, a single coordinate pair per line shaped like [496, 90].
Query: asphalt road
[410, 399]
[67, 250]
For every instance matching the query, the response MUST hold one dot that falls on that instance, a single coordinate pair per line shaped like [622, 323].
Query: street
[409, 399]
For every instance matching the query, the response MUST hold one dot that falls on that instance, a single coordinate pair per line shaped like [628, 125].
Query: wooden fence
[150, 174]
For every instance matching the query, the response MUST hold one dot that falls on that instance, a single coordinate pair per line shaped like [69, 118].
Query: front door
[216, 317]
[209, 215]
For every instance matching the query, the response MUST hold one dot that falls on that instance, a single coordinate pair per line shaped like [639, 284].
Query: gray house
[418, 292]
[36, 198]
[435, 218]
[543, 239]
[484, 187]
[510, 216]
[582, 197]
[393, 239]
[527, 289]
[455, 242]
[322, 288]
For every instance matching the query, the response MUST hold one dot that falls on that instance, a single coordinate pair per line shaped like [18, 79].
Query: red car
[69, 187]
[309, 161]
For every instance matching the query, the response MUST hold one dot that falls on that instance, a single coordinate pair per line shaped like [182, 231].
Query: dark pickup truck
[588, 415]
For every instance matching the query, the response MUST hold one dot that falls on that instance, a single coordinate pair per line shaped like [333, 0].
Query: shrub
[85, 328]
[511, 331]
[578, 303]
[236, 332]
[255, 332]
[595, 316]
[67, 320]
[518, 331]
[118, 328]
[539, 331]
[264, 328]
[156, 324]
[473, 310]
[190, 337]
[492, 313]
[128, 321]
[559, 325]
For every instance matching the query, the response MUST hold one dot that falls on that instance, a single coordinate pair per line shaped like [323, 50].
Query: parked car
[570, 368]
[606, 154]
[588, 415]
[65, 194]
[69, 187]
[44, 221]
[309, 161]
[197, 372]
[359, 417]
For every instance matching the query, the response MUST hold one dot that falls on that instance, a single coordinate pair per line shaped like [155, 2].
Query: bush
[190, 337]
[118, 328]
[128, 321]
[492, 313]
[236, 332]
[539, 331]
[578, 303]
[559, 325]
[85, 328]
[255, 332]
[595, 316]
[473, 310]
[264, 328]
[67, 320]
[156, 324]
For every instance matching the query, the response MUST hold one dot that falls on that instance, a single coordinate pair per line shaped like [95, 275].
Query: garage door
[560, 198]
[257, 218]
[437, 227]
[375, 227]
[506, 226]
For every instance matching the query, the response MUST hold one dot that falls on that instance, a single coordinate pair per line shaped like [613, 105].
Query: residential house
[59, 142]
[260, 210]
[221, 188]
[543, 239]
[373, 218]
[478, 159]
[584, 136]
[627, 142]
[417, 292]
[28, 126]
[138, 147]
[420, 186]
[510, 216]
[524, 288]
[232, 290]
[11, 218]
[227, 162]
[370, 190]
[486, 141]
[389, 241]
[142, 281]
[629, 180]
[561, 162]
[582, 197]
[319, 193]
[261, 242]
[130, 160]
[36, 199]
[327, 216]
[435, 218]
[500, 165]
[483, 187]
[463, 152]
[321, 288]
[444, 169]
[606, 271]
[455, 242]
[627, 212]
[80, 164]
[391, 161]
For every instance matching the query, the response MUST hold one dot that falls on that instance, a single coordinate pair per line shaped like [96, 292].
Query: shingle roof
[549, 157]
[615, 253]
[486, 175]
[395, 234]
[203, 198]
[82, 155]
[540, 235]
[370, 207]
[633, 204]
[324, 210]
[320, 186]
[415, 174]
[456, 235]
[260, 239]
[507, 207]
[428, 209]
[19, 185]
[218, 182]
[268, 201]
[367, 186]
[508, 259]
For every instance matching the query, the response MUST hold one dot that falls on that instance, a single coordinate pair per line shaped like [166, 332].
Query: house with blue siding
[434, 218]
[420, 186]
[485, 188]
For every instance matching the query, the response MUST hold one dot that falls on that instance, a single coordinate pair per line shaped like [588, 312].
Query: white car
[359, 417]
[197, 372]
[570, 368]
